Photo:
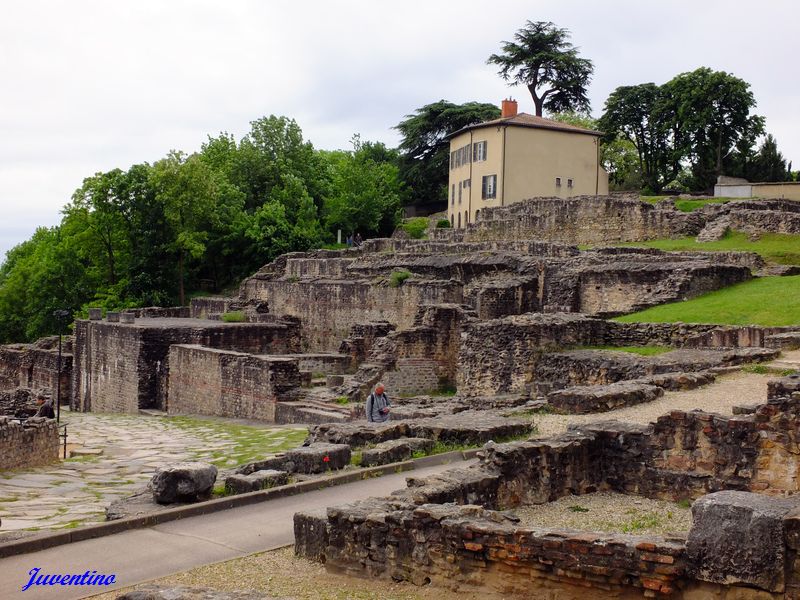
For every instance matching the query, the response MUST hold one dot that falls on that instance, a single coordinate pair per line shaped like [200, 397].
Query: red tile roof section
[526, 120]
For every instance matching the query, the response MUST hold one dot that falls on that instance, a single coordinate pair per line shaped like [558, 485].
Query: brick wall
[30, 444]
[222, 383]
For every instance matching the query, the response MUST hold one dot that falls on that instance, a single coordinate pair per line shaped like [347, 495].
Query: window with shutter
[489, 187]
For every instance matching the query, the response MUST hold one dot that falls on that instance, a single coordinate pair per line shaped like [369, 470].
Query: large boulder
[392, 451]
[183, 482]
[738, 538]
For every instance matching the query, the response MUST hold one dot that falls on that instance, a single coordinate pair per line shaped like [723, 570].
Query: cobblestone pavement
[77, 490]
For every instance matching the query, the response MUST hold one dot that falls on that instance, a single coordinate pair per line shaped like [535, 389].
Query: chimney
[509, 108]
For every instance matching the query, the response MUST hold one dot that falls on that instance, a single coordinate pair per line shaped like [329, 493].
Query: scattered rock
[183, 482]
[394, 451]
[259, 480]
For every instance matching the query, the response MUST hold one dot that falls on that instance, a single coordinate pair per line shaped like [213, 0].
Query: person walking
[378, 405]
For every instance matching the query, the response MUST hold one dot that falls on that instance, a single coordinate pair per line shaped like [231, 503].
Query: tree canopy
[700, 121]
[542, 58]
[195, 223]
[424, 149]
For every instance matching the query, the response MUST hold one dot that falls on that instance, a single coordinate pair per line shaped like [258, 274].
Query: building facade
[520, 156]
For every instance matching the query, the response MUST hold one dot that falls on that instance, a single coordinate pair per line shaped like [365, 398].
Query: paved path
[76, 491]
[144, 554]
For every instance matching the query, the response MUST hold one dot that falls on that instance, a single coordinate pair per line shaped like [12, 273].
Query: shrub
[398, 277]
[443, 224]
[415, 227]
[235, 316]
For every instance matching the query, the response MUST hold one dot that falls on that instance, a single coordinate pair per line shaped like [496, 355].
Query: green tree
[768, 164]
[711, 110]
[187, 189]
[425, 149]
[636, 114]
[542, 58]
[365, 195]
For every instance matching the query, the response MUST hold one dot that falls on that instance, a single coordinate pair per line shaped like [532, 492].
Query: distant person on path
[45, 408]
[378, 405]
[358, 241]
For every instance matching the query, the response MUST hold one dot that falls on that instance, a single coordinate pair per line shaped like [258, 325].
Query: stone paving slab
[77, 490]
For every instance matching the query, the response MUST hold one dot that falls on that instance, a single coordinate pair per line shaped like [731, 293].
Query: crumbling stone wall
[329, 309]
[122, 368]
[417, 535]
[29, 444]
[34, 366]
[503, 355]
[222, 383]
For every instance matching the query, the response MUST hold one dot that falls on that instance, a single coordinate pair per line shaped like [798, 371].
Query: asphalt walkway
[143, 554]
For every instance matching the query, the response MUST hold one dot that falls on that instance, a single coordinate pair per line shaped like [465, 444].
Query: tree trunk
[181, 292]
[537, 102]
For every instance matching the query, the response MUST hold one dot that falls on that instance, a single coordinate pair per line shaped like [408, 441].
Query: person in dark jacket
[378, 405]
[46, 409]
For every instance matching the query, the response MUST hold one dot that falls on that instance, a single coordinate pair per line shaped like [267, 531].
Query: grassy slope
[779, 248]
[769, 301]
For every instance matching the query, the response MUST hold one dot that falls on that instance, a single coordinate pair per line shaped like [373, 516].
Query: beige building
[520, 156]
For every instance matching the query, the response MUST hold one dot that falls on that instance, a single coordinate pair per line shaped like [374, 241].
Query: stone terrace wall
[329, 309]
[122, 368]
[30, 444]
[579, 220]
[222, 383]
[25, 365]
[500, 355]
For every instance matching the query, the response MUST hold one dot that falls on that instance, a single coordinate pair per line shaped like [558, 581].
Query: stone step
[317, 415]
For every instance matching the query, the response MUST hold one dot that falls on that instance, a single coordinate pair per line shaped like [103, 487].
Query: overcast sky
[88, 86]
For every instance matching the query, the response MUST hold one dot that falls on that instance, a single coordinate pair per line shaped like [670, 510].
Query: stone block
[95, 314]
[318, 458]
[601, 398]
[738, 538]
[334, 380]
[258, 480]
[183, 482]
[394, 451]
[112, 317]
[127, 318]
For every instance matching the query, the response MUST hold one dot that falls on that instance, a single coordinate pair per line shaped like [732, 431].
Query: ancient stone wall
[501, 355]
[579, 220]
[329, 309]
[122, 368]
[221, 383]
[28, 444]
[25, 365]
[415, 535]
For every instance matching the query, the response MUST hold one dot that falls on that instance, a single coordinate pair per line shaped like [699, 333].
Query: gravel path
[609, 511]
[718, 397]
[279, 573]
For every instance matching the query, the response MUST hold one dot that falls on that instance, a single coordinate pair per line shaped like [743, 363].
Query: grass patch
[688, 205]
[640, 350]
[333, 246]
[780, 248]
[235, 316]
[769, 302]
[397, 278]
[642, 522]
[765, 370]
[652, 199]
[577, 508]
[415, 227]
[342, 400]
[355, 458]
[247, 444]
[685, 503]
[443, 224]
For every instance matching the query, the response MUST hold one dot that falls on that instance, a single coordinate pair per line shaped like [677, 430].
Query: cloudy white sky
[87, 86]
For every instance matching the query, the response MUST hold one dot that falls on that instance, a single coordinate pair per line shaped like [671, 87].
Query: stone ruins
[473, 331]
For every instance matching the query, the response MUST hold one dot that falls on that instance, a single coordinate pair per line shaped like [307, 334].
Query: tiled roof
[526, 120]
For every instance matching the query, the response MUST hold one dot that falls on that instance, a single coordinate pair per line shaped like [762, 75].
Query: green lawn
[769, 301]
[686, 204]
[778, 248]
